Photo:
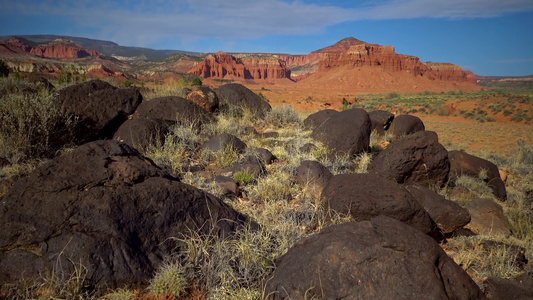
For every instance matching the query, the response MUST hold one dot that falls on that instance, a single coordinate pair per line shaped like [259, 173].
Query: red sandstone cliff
[377, 68]
[223, 65]
[60, 48]
[386, 59]
[302, 66]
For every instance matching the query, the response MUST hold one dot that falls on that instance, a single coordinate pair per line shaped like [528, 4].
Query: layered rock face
[304, 65]
[223, 65]
[386, 59]
[60, 48]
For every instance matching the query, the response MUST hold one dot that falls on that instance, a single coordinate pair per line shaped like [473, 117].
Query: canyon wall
[60, 48]
[223, 65]
[386, 59]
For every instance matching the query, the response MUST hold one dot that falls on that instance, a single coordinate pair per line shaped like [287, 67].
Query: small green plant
[392, 95]
[243, 178]
[127, 83]
[69, 75]
[226, 157]
[170, 279]
[196, 81]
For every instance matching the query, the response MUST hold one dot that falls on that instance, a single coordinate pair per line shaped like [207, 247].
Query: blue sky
[488, 37]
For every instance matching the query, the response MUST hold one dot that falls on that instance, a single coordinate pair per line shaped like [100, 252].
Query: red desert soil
[498, 137]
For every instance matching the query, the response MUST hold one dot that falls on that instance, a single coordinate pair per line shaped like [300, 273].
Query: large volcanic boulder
[223, 141]
[313, 175]
[142, 133]
[520, 288]
[448, 215]
[406, 124]
[376, 259]
[462, 163]
[347, 133]
[100, 108]
[174, 109]
[237, 98]
[487, 217]
[416, 158]
[381, 120]
[314, 120]
[204, 97]
[104, 210]
[364, 196]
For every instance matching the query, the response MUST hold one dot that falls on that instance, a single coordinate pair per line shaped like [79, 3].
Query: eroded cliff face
[386, 59]
[62, 51]
[223, 65]
[59, 48]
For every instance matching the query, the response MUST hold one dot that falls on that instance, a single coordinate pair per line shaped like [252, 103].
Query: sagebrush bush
[281, 116]
[32, 126]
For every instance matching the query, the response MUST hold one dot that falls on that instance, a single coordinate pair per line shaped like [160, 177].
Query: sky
[487, 37]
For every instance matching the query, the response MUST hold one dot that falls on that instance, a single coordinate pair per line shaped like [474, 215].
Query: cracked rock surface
[102, 210]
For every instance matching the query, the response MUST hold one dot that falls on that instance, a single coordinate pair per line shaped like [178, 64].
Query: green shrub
[196, 81]
[392, 95]
[127, 83]
[32, 126]
[243, 178]
[281, 116]
[170, 279]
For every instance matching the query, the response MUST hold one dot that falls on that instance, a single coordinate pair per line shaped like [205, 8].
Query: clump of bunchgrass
[362, 162]
[178, 88]
[171, 278]
[475, 185]
[480, 260]
[32, 126]
[274, 187]
[283, 116]
[172, 156]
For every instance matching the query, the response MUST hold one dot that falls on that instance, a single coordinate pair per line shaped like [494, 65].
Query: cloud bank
[144, 22]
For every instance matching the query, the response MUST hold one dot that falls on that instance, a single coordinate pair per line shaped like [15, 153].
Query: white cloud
[147, 21]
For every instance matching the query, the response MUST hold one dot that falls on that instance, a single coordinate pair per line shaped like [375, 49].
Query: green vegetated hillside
[282, 209]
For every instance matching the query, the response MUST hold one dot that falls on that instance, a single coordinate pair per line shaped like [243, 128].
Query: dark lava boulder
[237, 98]
[174, 109]
[264, 155]
[406, 124]
[462, 163]
[347, 133]
[520, 288]
[416, 158]
[105, 210]
[224, 141]
[487, 217]
[204, 97]
[251, 165]
[376, 259]
[381, 120]
[364, 196]
[448, 215]
[313, 175]
[100, 108]
[141, 133]
[314, 120]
